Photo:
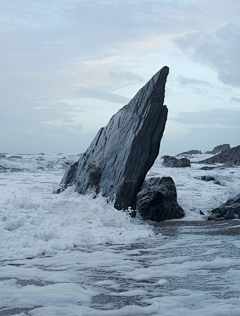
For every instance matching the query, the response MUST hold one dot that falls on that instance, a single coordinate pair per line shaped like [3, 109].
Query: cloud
[202, 130]
[218, 49]
[191, 81]
[219, 118]
[55, 53]
[42, 130]
[206, 138]
[101, 95]
[235, 99]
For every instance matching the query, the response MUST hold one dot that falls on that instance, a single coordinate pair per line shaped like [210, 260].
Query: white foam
[73, 255]
[34, 221]
[194, 194]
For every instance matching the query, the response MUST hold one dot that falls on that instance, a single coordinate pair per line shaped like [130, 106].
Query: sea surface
[67, 254]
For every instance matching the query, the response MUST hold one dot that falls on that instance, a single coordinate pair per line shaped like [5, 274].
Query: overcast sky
[66, 66]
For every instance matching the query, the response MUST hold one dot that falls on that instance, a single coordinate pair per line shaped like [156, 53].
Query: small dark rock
[157, 200]
[207, 178]
[59, 190]
[172, 162]
[229, 210]
[201, 213]
[133, 214]
[207, 168]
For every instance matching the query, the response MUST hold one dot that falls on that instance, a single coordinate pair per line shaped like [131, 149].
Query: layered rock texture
[230, 157]
[229, 210]
[157, 200]
[121, 154]
[219, 149]
[172, 162]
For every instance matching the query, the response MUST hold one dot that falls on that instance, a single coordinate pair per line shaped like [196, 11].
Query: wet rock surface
[157, 200]
[172, 162]
[207, 168]
[229, 210]
[121, 154]
[208, 178]
[189, 153]
[229, 157]
[219, 149]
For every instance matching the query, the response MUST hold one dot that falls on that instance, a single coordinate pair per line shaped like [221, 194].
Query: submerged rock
[121, 154]
[157, 200]
[172, 162]
[219, 149]
[230, 157]
[229, 210]
[189, 153]
[207, 168]
[208, 178]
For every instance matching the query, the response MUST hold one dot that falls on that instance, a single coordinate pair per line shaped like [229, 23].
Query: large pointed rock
[121, 154]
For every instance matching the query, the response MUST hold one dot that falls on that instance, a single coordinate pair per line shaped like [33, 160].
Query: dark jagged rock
[208, 178]
[229, 210]
[218, 149]
[207, 168]
[121, 154]
[189, 153]
[157, 200]
[230, 157]
[172, 162]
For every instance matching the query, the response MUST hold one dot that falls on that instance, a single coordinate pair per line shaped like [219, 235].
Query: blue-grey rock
[229, 210]
[118, 159]
[172, 162]
[189, 154]
[157, 200]
[218, 149]
[229, 157]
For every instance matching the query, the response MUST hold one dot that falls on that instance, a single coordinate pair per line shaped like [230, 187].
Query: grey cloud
[45, 47]
[235, 99]
[215, 118]
[26, 132]
[218, 49]
[207, 138]
[207, 129]
[123, 78]
[191, 81]
[101, 95]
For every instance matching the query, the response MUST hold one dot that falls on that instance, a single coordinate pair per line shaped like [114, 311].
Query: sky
[66, 66]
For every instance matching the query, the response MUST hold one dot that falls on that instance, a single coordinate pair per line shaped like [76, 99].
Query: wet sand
[212, 228]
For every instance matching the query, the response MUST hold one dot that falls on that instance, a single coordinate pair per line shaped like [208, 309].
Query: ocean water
[66, 254]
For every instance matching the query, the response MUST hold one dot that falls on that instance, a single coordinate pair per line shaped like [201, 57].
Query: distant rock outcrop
[121, 154]
[157, 200]
[172, 162]
[189, 153]
[229, 157]
[229, 210]
[219, 149]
